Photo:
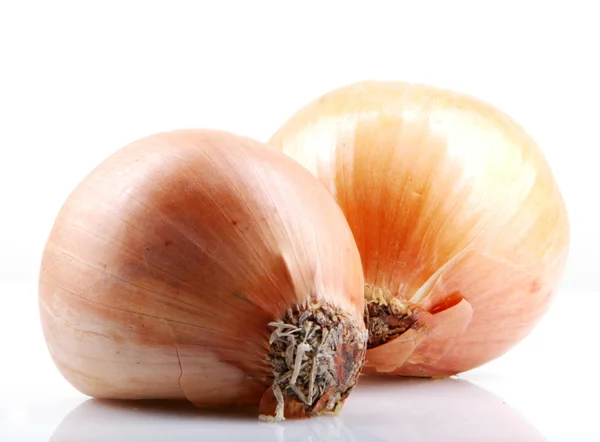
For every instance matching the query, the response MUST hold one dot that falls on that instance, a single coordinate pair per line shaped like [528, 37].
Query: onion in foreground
[202, 265]
[461, 227]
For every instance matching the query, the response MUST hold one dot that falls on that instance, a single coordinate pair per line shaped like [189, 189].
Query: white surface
[546, 389]
[78, 80]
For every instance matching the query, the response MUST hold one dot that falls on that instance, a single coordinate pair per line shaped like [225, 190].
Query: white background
[79, 79]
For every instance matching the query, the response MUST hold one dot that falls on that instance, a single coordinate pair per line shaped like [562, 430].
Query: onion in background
[461, 227]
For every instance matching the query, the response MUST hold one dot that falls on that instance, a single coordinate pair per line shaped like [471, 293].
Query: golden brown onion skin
[454, 209]
[166, 264]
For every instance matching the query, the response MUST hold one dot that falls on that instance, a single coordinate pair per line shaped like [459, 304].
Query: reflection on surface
[380, 409]
[103, 421]
[427, 410]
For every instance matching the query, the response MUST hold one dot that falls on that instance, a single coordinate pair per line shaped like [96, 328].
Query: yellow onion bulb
[205, 266]
[461, 227]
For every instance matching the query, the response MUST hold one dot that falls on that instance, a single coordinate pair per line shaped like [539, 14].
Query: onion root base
[388, 320]
[316, 355]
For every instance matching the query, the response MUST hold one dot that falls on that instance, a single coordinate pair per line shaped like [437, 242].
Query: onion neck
[316, 355]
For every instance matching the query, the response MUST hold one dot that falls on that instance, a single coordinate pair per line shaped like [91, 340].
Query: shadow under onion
[380, 409]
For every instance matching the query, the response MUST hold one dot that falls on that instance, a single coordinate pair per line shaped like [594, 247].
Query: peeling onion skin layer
[455, 211]
[166, 265]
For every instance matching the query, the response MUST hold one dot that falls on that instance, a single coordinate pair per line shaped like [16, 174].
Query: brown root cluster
[316, 356]
[387, 321]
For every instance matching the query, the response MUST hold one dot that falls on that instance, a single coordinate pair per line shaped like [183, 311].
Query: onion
[461, 227]
[202, 265]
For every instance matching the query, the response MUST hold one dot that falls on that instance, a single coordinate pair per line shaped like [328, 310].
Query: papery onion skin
[455, 210]
[167, 263]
